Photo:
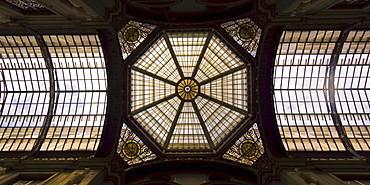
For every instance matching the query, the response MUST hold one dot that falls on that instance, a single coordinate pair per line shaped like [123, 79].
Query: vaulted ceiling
[235, 81]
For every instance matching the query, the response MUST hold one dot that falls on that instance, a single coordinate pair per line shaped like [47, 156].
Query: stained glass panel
[131, 35]
[132, 149]
[187, 48]
[247, 149]
[188, 133]
[245, 32]
[26, 4]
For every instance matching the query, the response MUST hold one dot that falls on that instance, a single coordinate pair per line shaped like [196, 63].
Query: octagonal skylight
[188, 90]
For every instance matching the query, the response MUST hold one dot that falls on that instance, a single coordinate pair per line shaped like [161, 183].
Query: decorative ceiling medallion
[131, 35]
[246, 32]
[248, 149]
[187, 89]
[131, 149]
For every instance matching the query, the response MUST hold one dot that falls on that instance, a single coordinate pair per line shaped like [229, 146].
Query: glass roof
[300, 84]
[322, 104]
[53, 92]
[188, 90]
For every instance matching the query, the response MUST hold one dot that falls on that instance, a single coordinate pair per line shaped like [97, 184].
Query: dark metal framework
[320, 90]
[53, 92]
[155, 105]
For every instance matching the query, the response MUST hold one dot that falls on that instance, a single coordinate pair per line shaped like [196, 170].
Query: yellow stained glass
[187, 89]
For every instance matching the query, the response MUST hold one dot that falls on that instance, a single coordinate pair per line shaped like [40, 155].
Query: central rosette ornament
[187, 89]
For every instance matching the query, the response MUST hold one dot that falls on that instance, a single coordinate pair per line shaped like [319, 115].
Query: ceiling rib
[174, 123]
[201, 56]
[241, 111]
[201, 121]
[153, 75]
[168, 42]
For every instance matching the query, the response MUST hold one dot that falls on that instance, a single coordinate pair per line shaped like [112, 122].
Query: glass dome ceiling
[188, 91]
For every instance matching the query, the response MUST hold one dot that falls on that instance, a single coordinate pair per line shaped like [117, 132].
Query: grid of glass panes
[233, 27]
[158, 119]
[235, 154]
[173, 122]
[143, 84]
[217, 60]
[352, 86]
[24, 92]
[80, 95]
[217, 118]
[145, 154]
[187, 47]
[301, 79]
[166, 68]
[144, 30]
[188, 133]
[229, 89]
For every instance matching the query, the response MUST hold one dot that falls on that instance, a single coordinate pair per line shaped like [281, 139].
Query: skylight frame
[81, 60]
[308, 139]
[15, 48]
[153, 144]
[86, 79]
[351, 47]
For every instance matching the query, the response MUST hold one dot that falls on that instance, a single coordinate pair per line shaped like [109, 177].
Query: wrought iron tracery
[245, 32]
[132, 34]
[142, 152]
[247, 149]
